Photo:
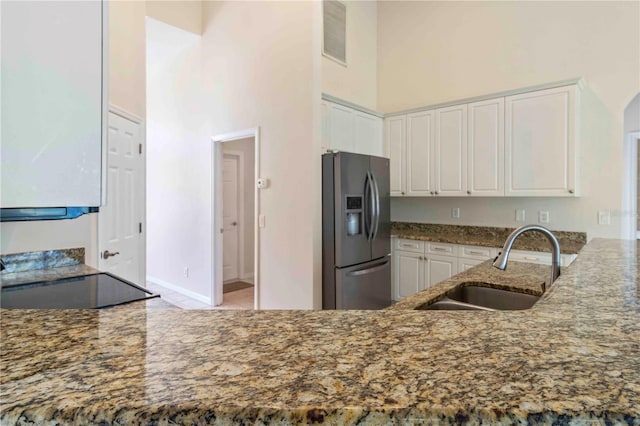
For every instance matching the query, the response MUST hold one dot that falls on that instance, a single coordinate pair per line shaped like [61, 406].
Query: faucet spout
[500, 262]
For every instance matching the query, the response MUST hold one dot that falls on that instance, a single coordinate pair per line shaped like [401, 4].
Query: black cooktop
[84, 292]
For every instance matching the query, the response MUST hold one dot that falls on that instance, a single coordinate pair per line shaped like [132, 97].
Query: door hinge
[139, 148]
[140, 227]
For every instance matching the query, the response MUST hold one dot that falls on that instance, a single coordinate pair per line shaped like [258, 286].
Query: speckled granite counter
[15, 278]
[570, 242]
[574, 357]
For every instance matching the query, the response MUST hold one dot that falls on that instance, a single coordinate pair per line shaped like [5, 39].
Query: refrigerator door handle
[368, 224]
[374, 268]
[376, 209]
[370, 197]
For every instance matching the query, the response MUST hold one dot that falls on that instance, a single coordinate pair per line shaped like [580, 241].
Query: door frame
[216, 213]
[142, 241]
[241, 225]
[630, 187]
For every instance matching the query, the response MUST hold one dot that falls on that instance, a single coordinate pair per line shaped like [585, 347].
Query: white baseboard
[178, 289]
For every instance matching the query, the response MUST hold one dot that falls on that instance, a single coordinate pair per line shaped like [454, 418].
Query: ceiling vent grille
[334, 43]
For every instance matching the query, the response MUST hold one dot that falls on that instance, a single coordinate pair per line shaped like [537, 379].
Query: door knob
[107, 254]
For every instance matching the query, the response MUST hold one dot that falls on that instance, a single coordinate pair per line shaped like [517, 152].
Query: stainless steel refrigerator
[356, 247]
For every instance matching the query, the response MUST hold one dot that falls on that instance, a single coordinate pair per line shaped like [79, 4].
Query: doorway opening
[235, 211]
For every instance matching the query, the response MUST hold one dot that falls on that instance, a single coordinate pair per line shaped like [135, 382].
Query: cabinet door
[451, 151]
[326, 126]
[464, 264]
[420, 130]
[540, 143]
[408, 274]
[52, 105]
[395, 134]
[485, 149]
[368, 131]
[440, 268]
[342, 128]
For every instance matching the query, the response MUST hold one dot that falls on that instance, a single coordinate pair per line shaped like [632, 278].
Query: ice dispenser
[354, 215]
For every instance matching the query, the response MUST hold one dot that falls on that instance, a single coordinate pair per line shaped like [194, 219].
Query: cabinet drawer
[442, 249]
[479, 253]
[542, 258]
[464, 264]
[409, 245]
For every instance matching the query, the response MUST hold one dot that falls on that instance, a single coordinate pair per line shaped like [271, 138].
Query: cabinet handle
[436, 192]
[408, 245]
[530, 258]
[468, 192]
[439, 249]
[402, 192]
[476, 252]
[431, 192]
[571, 191]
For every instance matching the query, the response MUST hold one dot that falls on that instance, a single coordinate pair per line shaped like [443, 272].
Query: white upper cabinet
[540, 143]
[52, 104]
[368, 134]
[451, 151]
[342, 130]
[419, 157]
[348, 129]
[485, 148]
[396, 137]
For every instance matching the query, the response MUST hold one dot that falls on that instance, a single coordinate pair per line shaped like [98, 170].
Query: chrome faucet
[500, 261]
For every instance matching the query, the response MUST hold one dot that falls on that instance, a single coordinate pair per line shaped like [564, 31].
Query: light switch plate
[261, 221]
[604, 217]
[519, 215]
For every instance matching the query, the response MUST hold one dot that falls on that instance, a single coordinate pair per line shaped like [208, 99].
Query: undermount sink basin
[478, 298]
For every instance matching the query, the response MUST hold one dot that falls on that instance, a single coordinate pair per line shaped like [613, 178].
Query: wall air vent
[334, 21]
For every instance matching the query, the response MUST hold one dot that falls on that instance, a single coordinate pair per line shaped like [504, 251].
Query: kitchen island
[575, 356]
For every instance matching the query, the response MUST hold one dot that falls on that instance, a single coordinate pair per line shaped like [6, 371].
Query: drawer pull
[439, 249]
[476, 252]
[409, 245]
[530, 258]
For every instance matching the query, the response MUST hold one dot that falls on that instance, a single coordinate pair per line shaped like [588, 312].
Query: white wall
[184, 14]
[430, 52]
[178, 161]
[357, 82]
[246, 147]
[261, 70]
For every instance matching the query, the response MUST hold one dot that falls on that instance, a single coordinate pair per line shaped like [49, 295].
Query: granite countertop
[575, 357]
[570, 242]
[49, 274]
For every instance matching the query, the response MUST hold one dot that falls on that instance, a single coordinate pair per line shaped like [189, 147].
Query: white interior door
[230, 267]
[120, 220]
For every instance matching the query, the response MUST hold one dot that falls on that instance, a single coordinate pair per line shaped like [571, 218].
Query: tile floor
[240, 299]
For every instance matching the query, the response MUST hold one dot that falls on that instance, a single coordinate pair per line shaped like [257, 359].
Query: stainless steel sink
[474, 297]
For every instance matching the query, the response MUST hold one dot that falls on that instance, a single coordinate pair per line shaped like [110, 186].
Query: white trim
[216, 213]
[630, 186]
[125, 114]
[178, 289]
[335, 100]
[240, 190]
[578, 82]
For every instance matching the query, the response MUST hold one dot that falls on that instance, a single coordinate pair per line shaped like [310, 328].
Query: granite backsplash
[570, 242]
[36, 260]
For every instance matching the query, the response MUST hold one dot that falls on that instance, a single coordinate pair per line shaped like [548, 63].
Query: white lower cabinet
[418, 265]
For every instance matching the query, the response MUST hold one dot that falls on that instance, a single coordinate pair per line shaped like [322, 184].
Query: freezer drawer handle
[375, 268]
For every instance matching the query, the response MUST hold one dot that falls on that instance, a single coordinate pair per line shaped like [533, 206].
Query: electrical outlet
[519, 215]
[604, 217]
[455, 213]
[543, 216]
[185, 271]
